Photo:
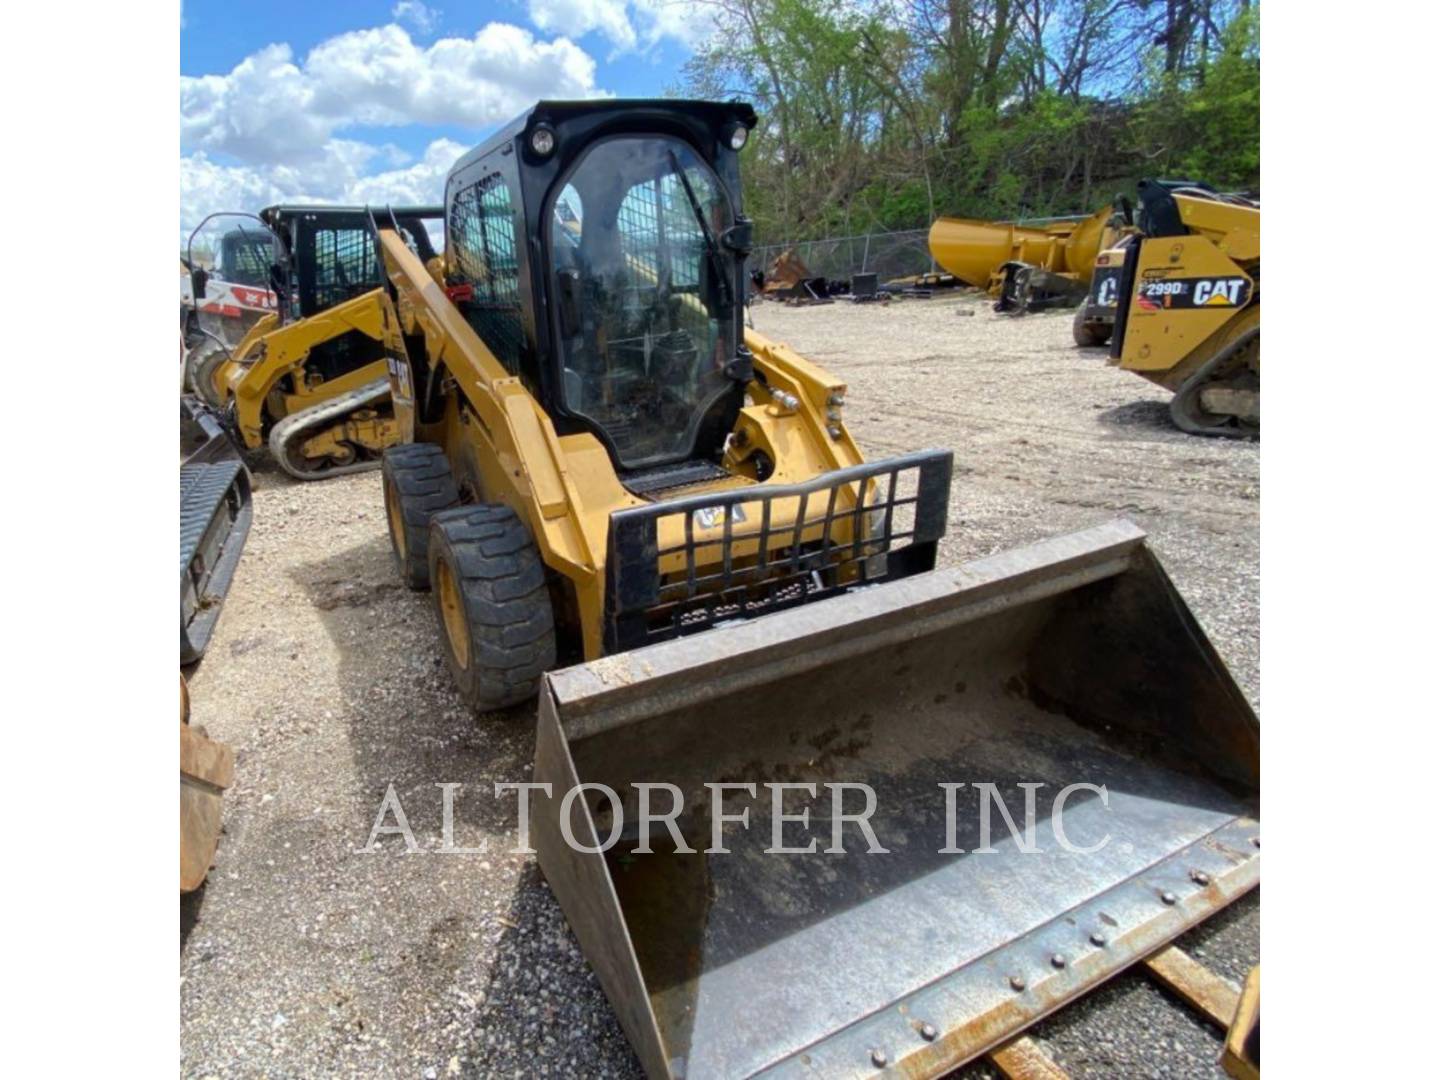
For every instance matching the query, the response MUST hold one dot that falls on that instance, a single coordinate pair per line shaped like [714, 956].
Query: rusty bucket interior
[1071, 662]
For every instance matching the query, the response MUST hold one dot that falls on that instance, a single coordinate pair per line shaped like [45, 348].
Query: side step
[215, 512]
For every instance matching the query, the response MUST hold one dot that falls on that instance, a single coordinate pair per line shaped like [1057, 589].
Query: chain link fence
[890, 255]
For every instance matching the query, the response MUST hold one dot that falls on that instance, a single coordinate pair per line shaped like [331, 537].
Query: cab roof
[558, 112]
[284, 211]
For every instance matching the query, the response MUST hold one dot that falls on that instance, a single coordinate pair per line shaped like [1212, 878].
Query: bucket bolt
[878, 1058]
[1017, 982]
[1168, 896]
[1097, 939]
[928, 1032]
[1200, 877]
[1057, 961]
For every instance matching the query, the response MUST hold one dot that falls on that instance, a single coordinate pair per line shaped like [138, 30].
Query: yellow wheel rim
[397, 520]
[452, 612]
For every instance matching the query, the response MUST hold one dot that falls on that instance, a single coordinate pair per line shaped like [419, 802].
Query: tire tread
[421, 476]
[506, 599]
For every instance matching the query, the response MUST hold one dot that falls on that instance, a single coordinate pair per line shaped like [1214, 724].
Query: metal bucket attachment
[1071, 662]
[207, 768]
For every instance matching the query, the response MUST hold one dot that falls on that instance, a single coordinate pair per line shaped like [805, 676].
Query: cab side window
[484, 246]
[345, 265]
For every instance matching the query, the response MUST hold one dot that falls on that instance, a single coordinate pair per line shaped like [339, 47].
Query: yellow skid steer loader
[310, 380]
[1188, 315]
[609, 472]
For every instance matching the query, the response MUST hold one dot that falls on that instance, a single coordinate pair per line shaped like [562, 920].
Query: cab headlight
[542, 140]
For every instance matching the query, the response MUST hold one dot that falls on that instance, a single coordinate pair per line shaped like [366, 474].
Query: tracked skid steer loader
[1188, 315]
[310, 380]
[1095, 319]
[774, 737]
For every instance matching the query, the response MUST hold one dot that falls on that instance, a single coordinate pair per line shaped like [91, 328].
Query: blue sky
[372, 100]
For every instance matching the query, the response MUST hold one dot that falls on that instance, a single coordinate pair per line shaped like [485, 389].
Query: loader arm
[220, 380]
[1233, 229]
[285, 352]
[820, 399]
[535, 465]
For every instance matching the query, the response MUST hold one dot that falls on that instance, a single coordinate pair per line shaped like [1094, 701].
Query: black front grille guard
[642, 606]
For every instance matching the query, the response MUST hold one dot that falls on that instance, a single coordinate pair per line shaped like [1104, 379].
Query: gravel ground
[302, 956]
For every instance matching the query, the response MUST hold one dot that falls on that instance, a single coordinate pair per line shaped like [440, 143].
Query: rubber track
[295, 429]
[205, 497]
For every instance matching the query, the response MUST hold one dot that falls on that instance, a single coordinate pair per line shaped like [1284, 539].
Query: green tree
[882, 114]
[1204, 124]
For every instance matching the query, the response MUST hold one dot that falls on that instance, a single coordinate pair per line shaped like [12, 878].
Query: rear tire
[418, 484]
[1089, 334]
[492, 603]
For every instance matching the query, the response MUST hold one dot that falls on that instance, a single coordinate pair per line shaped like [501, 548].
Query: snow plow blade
[1070, 662]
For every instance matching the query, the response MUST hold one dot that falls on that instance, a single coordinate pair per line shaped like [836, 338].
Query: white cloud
[207, 186]
[629, 24]
[579, 17]
[269, 109]
[273, 128]
[684, 21]
[260, 111]
[421, 182]
[421, 17]
[380, 77]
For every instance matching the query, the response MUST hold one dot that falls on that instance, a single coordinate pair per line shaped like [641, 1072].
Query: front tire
[203, 365]
[492, 603]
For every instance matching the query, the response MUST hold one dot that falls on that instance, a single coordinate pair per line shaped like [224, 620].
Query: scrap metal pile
[789, 280]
